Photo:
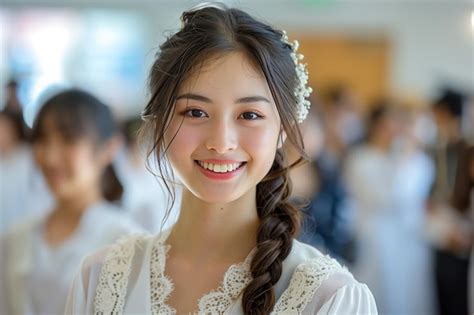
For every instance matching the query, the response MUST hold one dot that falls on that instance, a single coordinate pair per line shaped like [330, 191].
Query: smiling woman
[226, 92]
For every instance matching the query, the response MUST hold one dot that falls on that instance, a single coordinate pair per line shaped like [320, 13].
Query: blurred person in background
[145, 195]
[449, 226]
[463, 200]
[16, 168]
[388, 180]
[22, 188]
[329, 219]
[74, 142]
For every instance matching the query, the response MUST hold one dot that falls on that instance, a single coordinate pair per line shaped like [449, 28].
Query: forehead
[232, 74]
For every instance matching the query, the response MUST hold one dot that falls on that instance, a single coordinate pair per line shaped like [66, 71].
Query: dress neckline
[235, 279]
[111, 291]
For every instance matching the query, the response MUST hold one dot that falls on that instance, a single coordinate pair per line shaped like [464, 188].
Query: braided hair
[216, 29]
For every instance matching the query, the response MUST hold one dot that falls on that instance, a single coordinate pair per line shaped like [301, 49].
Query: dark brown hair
[213, 31]
[78, 114]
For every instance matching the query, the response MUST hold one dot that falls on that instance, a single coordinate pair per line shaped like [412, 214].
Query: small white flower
[302, 91]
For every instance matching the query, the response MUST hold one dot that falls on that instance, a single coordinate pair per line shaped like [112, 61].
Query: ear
[109, 149]
[281, 139]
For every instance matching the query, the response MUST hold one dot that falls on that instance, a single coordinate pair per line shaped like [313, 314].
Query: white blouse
[35, 277]
[129, 278]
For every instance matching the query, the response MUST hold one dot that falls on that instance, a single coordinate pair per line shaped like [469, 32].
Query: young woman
[226, 92]
[74, 143]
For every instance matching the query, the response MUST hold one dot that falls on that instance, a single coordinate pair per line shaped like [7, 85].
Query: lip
[220, 176]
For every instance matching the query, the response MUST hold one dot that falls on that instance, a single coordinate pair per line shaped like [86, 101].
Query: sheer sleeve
[350, 299]
[82, 291]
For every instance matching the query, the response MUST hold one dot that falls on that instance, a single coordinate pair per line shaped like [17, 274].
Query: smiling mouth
[221, 168]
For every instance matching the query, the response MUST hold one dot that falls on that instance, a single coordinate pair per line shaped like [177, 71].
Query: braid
[279, 223]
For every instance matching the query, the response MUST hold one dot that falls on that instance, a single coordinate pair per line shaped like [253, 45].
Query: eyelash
[189, 113]
[257, 116]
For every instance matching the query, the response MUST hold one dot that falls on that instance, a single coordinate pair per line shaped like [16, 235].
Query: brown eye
[250, 116]
[195, 113]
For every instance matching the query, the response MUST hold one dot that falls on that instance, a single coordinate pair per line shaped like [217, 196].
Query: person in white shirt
[227, 91]
[388, 180]
[74, 144]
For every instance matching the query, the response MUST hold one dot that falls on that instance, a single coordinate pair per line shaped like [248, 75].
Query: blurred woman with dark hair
[74, 142]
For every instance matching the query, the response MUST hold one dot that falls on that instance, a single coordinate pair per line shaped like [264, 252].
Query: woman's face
[224, 131]
[71, 167]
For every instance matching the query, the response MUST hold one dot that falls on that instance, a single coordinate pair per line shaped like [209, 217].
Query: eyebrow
[200, 98]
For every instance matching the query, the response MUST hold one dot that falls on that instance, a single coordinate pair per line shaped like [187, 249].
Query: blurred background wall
[376, 47]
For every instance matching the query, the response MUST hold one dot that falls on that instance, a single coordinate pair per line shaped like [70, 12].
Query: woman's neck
[221, 231]
[67, 214]
[78, 203]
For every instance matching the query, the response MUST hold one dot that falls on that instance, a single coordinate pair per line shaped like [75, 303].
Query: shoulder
[306, 264]
[306, 259]
[123, 249]
[120, 256]
[21, 234]
[104, 275]
[314, 279]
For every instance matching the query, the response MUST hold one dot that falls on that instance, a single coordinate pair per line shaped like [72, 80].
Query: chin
[217, 198]
[59, 192]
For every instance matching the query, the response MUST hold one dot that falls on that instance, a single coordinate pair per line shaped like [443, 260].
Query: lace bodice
[215, 302]
[111, 291]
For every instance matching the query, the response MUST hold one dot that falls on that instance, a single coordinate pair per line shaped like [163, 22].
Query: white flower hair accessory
[302, 91]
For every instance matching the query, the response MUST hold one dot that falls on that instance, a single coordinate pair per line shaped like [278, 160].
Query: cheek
[261, 143]
[184, 142]
[81, 162]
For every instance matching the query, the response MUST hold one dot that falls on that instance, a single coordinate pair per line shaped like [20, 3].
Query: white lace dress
[129, 278]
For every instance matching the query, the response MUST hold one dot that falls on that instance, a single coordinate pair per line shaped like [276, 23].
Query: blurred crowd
[394, 196]
[389, 187]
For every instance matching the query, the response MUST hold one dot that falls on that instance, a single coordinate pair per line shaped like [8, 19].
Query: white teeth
[220, 168]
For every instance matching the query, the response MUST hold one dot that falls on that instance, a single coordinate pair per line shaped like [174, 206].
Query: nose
[222, 137]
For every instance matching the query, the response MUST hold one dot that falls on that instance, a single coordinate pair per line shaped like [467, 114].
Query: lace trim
[306, 279]
[236, 278]
[112, 287]
[161, 285]
[218, 301]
